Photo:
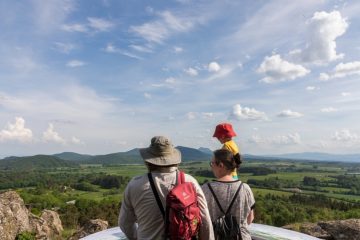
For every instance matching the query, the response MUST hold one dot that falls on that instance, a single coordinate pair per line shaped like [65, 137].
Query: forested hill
[71, 159]
[131, 157]
[34, 162]
[73, 156]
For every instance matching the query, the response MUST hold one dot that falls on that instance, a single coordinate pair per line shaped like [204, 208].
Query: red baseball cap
[224, 130]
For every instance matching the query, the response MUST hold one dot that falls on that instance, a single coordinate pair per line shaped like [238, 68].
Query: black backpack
[226, 226]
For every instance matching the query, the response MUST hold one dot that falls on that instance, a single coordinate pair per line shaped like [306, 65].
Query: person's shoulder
[246, 187]
[189, 178]
[138, 179]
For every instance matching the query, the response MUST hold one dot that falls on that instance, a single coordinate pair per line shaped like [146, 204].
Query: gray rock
[342, 229]
[15, 218]
[90, 227]
[332, 230]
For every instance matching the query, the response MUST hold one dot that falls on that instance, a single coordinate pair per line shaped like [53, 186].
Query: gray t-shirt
[225, 192]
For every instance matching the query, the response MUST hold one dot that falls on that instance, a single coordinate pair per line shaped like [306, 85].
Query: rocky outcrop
[16, 218]
[343, 229]
[90, 227]
[331, 230]
[311, 229]
[47, 226]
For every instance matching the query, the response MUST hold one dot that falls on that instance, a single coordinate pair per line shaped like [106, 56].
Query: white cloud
[139, 48]
[23, 63]
[100, 24]
[289, 114]
[48, 15]
[64, 47]
[246, 113]
[75, 63]
[207, 115]
[50, 135]
[16, 132]
[222, 73]
[345, 94]
[178, 49]
[328, 110]
[191, 115]
[345, 135]
[93, 24]
[191, 71]
[311, 88]
[72, 103]
[324, 28]
[110, 48]
[170, 80]
[76, 27]
[342, 70]
[147, 95]
[176, 23]
[324, 77]
[77, 141]
[162, 28]
[279, 70]
[290, 139]
[167, 83]
[214, 67]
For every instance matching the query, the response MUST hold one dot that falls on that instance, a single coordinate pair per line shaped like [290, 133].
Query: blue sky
[105, 76]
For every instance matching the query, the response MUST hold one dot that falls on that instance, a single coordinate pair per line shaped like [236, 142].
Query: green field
[285, 191]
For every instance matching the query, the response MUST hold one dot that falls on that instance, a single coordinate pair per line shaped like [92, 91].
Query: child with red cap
[224, 133]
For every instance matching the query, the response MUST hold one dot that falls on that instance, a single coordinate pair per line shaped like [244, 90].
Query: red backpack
[182, 216]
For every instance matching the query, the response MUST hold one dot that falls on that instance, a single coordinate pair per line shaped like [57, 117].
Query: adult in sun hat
[140, 216]
[224, 132]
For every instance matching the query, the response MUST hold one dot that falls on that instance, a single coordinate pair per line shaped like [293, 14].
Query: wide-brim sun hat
[161, 152]
[224, 130]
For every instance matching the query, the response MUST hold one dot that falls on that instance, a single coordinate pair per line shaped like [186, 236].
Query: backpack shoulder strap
[216, 199]
[181, 177]
[156, 194]
[234, 198]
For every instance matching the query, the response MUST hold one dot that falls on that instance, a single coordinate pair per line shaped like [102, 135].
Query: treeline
[352, 183]
[74, 215]
[273, 183]
[270, 209]
[282, 210]
[256, 171]
[21, 179]
[342, 181]
[60, 180]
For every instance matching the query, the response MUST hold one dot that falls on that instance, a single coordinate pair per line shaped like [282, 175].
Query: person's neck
[226, 178]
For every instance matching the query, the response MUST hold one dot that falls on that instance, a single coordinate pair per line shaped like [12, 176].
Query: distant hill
[116, 158]
[72, 156]
[133, 157]
[133, 152]
[192, 154]
[319, 156]
[205, 150]
[71, 159]
[34, 162]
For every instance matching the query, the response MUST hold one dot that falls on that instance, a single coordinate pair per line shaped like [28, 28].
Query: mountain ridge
[319, 156]
[72, 159]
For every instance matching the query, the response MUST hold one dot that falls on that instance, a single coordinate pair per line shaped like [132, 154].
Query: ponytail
[237, 159]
